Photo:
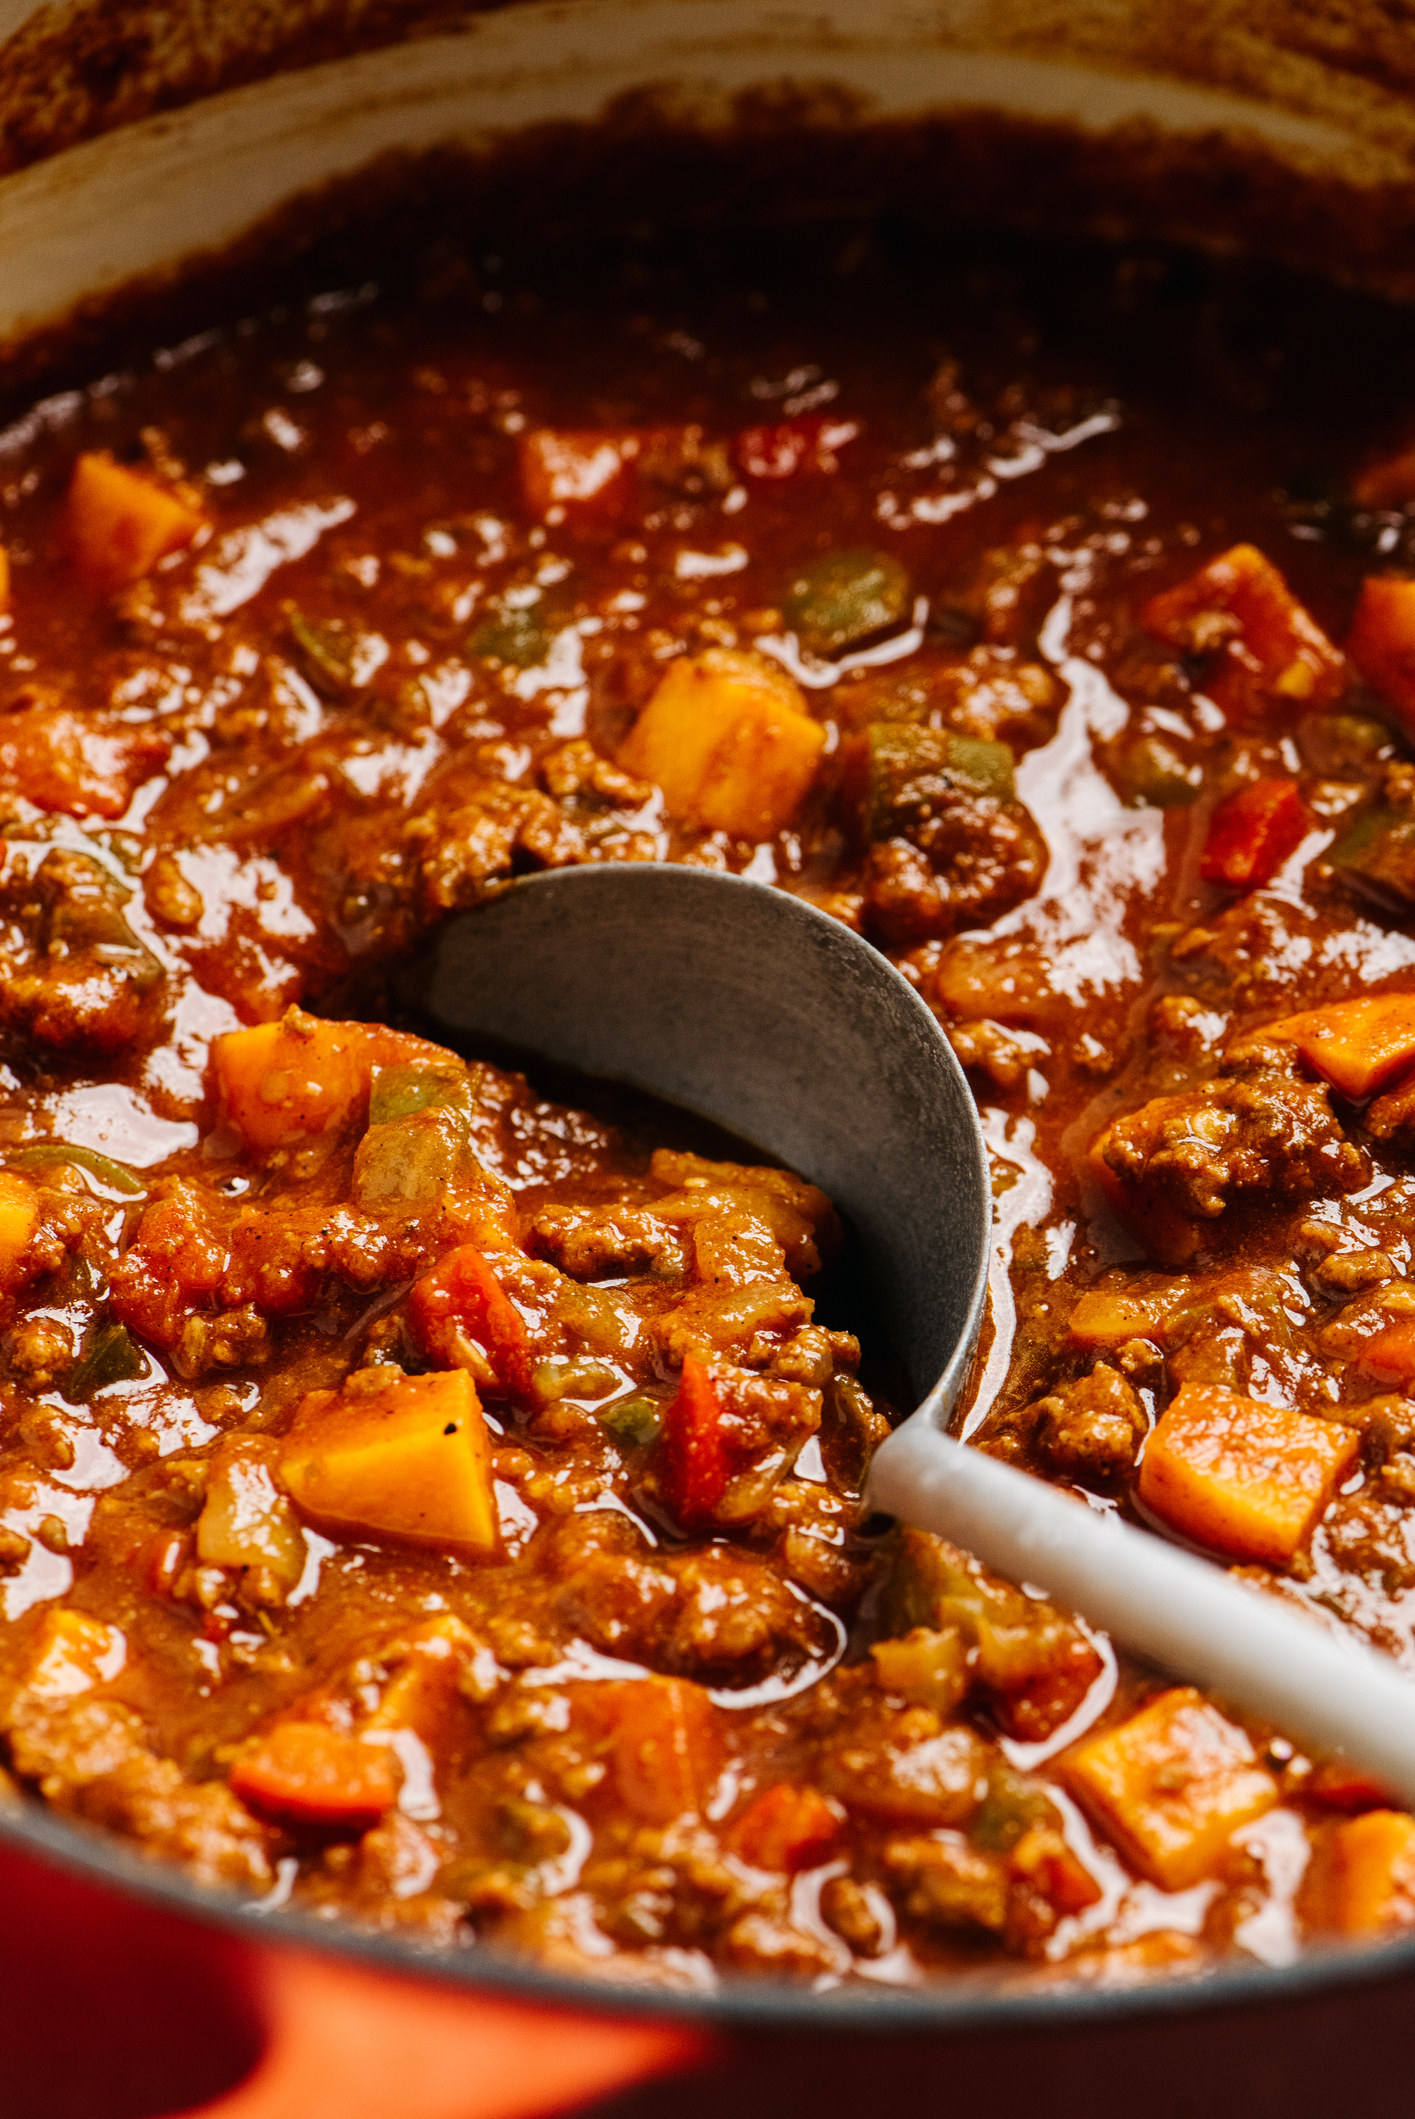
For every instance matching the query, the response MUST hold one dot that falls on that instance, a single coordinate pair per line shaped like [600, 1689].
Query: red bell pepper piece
[1252, 833]
[693, 1463]
[462, 1296]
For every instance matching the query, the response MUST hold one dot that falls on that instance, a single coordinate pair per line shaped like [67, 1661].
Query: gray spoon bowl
[750, 1007]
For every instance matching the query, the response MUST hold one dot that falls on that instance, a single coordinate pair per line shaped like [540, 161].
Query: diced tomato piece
[788, 1828]
[793, 446]
[693, 1459]
[62, 760]
[1382, 643]
[1265, 646]
[1042, 1858]
[305, 1773]
[586, 473]
[667, 1748]
[177, 1254]
[1356, 1045]
[1252, 833]
[121, 523]
[462, 1299]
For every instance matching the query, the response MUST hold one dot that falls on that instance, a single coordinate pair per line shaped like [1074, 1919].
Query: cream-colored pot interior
[99, 192]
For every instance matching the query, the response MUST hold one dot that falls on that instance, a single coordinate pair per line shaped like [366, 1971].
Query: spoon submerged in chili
[754, 1009]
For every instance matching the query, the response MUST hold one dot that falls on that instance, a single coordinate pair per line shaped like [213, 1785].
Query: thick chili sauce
[439, 1504]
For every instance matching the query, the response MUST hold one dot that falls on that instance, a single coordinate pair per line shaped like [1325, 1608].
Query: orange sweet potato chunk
[1371, 1873]
[404, 1458]
[1171, 1786]
[67, 761]
[71, 1652]
[1355, 1045]
[19, 1216]
[1109, 1317]
[1382, 642]
[666, 1747]
[728, 739]
[121, 523]
[1266, 646]
[1243, 1477]
[287, 1082]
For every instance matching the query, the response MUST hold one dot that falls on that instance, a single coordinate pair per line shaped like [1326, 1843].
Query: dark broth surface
[830, 555]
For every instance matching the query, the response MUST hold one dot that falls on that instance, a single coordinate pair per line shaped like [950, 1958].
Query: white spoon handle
[1193, 1619]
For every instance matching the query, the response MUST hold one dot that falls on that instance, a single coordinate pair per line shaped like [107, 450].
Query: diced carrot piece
[121, 524]
[1241, 1476]
[63, 760]
[1355, 1045]
[584, 473]
[1388, 482]
[787, 1827]
[667, 1749]
[728, 739]
[692, 1461]
[19, 1216]
[1371, 1878]
[460, 1307]
[245, 1520]
[72, 1652]
[1171, 1786]
[793, 446]
[305, 1773]
[1252, 833]
[392, 1456]
[291, 1081]
[1382, 643]
[1108, 1317]
[1266, 645]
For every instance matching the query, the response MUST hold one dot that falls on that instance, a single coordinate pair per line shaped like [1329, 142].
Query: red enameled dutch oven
[134, 137]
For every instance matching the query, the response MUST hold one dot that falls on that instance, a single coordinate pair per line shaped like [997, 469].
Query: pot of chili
[836, 449]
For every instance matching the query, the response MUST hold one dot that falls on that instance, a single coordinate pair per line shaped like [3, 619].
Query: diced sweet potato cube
[728, 739]
[62, 760]
[72, 1652]
[1108, 1317]
[246, 1521]
[461, 1315]
[1390, 1354]
[393, 1456]
[19, 1215]
[1355, 1045]
[1371, 1873]
[287, 1082]
[666, 1748]
[1266, 647]
[305, 1773]
[121, 524]
[590, 472]
[787, 1828]
[1171, 1786]
[1246, 1478]
[1382, 643]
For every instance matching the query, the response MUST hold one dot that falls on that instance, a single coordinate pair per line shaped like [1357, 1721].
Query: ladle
[750, 1007]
